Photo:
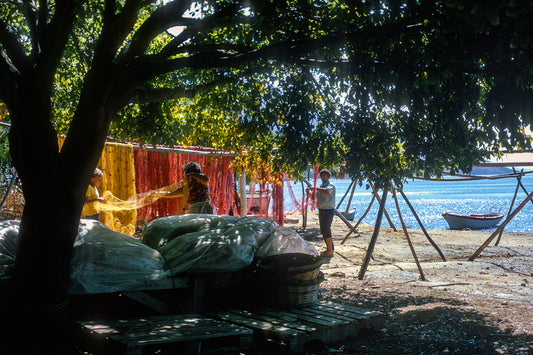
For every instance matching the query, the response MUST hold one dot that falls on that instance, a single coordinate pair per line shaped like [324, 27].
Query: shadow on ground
[425, 325]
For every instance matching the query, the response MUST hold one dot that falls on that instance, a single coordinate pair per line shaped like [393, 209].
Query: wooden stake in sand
[374, 238]
[344, 196]
[422, 277]
[384, 209]
[512, 204]
[360, 219]
[347, 210]
[422, 226]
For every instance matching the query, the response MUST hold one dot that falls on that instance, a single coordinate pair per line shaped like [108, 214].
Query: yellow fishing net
[120, 212]
[117, 164]
[115, 204]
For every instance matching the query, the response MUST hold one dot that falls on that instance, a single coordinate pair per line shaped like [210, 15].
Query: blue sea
[431, 199]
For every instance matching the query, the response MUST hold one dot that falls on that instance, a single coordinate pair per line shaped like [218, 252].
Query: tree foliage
[393, 88]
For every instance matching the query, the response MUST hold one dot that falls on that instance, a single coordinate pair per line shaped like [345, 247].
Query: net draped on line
[134, 180]
[308, 201]
[157, 170]
[115, 204]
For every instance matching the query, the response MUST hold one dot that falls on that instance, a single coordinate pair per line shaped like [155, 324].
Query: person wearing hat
[196, 188]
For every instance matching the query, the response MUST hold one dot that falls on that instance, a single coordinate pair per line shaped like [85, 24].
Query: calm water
[432, 198]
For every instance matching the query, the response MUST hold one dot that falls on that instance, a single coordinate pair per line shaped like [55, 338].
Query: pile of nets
[209, 243]
[103, 260]
[107, 261]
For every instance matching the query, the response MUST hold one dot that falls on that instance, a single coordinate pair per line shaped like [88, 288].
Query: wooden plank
[366, 318]
[312, 328]
[257, 324]
[341, 315]
[281, 319]
[293, 328]
[326, 315]
[347, 310]
[135, 334]
[318, 318]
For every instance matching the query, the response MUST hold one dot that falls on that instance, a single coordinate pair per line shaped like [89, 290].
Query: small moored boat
[472, 221]
[350, 215]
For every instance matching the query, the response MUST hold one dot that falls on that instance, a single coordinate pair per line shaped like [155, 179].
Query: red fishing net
[156, 169]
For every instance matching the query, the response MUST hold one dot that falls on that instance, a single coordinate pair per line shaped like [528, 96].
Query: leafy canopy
[391, 88]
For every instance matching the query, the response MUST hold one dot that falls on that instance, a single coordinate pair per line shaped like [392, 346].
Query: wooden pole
[347, 210]
[304, 206]
[422, 277]
[367, 209]
[244, 202]
[522, 186]
[510, 207]
[374, 238]
[347, 222]
[422, 226]
[500, 228]
[360, 219]
[346, 193]
[384, 209]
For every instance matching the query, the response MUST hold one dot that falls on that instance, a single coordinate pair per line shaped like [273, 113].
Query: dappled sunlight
[433, 322]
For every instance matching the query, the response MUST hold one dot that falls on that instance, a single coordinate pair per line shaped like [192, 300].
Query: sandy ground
[483, 306]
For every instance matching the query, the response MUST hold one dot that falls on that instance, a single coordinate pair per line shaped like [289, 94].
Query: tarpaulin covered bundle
[106, 261]
[284, 240]
[9, 231]
[156, 169]
[207, 243]
[103, 260]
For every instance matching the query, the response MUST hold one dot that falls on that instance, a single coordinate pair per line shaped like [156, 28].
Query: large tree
[413, 73]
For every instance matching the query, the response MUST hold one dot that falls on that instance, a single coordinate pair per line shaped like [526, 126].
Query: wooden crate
[292, 329]
[190, 333]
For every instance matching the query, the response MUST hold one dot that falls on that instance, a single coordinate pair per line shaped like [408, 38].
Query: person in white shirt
[325, 202]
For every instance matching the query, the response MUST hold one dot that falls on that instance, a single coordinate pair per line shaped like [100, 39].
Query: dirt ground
[483, 306]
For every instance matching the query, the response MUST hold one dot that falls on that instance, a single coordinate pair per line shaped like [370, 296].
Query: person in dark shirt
[196, 187]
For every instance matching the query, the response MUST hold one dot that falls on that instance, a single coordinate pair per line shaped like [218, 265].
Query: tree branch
[14, 53]
[291, 51]
[159, 94]
[29, 11]
[54, 36]
[163, 18]
[194, 26]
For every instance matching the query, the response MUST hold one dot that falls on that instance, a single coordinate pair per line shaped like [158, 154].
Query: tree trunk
[54, 186]
[42, 276]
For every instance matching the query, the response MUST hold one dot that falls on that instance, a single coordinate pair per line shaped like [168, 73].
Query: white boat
[472, 221]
